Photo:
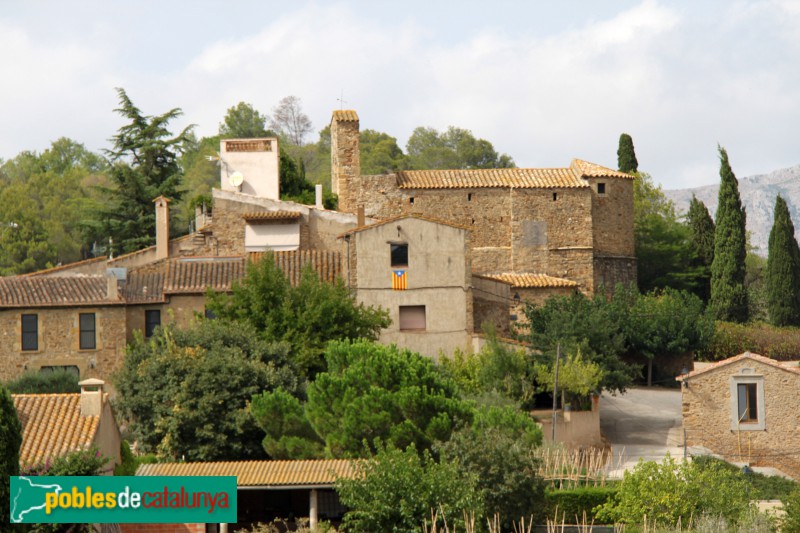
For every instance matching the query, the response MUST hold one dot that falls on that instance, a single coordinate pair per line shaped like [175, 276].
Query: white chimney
[251, 166]
[91, 396]
[162, 227]
[318, 195]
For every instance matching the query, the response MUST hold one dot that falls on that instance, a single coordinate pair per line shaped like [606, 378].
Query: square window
[601, 188]
[747, 402]
[412, 318]
[88, 337]
[399, 254]
[30, 332]
[152, 319]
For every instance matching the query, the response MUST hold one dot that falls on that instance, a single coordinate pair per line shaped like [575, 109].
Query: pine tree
[783, 270]
[728, 293]
[10, 442]
[145, 166]
[626, 156]
[701, 238]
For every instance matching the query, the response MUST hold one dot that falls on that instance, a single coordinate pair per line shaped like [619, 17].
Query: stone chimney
[112, 288]
[345, 158]
[91, 396]
[318, 196]
[162, 227]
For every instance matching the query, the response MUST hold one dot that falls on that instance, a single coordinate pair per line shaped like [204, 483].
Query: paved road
[642, 423]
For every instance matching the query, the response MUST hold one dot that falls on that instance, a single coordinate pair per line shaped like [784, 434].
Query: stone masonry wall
[59, 341]
[608, 271]
[707, 417]
[345, 162]
[612, 216]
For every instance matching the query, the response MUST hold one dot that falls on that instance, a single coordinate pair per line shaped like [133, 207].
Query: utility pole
[555, 391]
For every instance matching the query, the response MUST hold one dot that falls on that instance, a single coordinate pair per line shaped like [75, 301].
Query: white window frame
[747, 377]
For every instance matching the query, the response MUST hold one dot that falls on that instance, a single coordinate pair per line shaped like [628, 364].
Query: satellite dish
[236, 179]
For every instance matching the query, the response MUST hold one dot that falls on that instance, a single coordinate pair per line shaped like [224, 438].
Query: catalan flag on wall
[399, 280]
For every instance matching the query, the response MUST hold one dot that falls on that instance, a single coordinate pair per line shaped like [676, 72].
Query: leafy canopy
[783, 270]
[306, 316]
[453, 148]
[185, 392]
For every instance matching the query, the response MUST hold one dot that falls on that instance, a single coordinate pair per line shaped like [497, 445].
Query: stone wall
[612, 216]
[180, 309]
[59, 341]
[491, 303]
[345, 158]
[608, 271]
[707, 416]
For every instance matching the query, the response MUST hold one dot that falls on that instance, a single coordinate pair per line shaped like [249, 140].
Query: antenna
[342, 101]
[236, 179]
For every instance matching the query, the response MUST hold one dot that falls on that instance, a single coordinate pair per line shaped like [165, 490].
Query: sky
[544, 81]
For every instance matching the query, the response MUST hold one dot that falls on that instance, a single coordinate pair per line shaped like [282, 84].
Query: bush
[782, 344]
[32, 382]
[573, 503]
[129, 462]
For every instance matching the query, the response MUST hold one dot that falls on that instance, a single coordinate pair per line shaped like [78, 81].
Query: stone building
[745, 409]
[419, 270]
[573, 223]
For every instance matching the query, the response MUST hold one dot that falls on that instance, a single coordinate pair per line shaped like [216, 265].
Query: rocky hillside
[758, 194]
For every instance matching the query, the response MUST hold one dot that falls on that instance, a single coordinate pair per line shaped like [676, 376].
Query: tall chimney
[318, 196]
[345, 158]
[162, 227]
[112, 289]
[91, 396]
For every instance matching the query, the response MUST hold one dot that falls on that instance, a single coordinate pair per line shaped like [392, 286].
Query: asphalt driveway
[642, 423]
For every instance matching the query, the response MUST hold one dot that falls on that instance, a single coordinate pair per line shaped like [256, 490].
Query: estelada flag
[399, 280]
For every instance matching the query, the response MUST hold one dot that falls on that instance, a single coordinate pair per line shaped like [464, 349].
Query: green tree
[626, 155]
[701, 237]
[10, 442]
[667, 492]
[145, 165]
[506, 471]
[289, 433]
[185, 392]
[370, 392]
[380, 153]
[454, 148]
[783, 269]
[398, 490]
[306, 316]
[728, 293]
[243, 121]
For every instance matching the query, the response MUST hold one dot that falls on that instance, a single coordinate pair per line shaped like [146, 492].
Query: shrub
[31, 382]
[732, 339]
[573, 503]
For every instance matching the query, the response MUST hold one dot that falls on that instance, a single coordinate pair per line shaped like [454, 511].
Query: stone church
[568, 224]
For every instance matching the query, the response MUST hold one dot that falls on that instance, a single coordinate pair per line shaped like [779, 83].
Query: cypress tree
[783, 270]
[10, 442]
[701, 239]
[728, 293]
[626, 156]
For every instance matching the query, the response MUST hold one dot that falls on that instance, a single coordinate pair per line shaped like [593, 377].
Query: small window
[747, 396]
[469, 197]
[152, 319]
[411, 200]
[412, 318]
[30, 332]
[88, 337]
[209, 314]
[555, 196]
[601, 188]
[399, 255]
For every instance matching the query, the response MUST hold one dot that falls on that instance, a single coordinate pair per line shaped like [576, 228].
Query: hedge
[572, 503]
[782, 344]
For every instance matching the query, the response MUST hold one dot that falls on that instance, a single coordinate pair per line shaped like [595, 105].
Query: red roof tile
[53, 292]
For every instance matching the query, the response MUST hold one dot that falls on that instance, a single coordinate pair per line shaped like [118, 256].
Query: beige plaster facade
[438, 281]
[745, 409]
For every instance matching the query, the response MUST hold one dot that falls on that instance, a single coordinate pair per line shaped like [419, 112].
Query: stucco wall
[707, 416]
[438, 278]
[59, 341]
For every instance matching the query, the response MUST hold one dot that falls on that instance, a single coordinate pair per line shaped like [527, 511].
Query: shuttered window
[88, 333]
[30, 332]
[412, 318]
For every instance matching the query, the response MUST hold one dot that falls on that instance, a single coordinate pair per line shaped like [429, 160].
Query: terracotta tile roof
[327, 264]
[345, 115]
[144, 287]
[52, 425]
[320, 472]
[522, 178]
[530, 280]
[52, 292]
[271, 215]
[59, 268]
[734, 359]
[398, 218]
[197, 275]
